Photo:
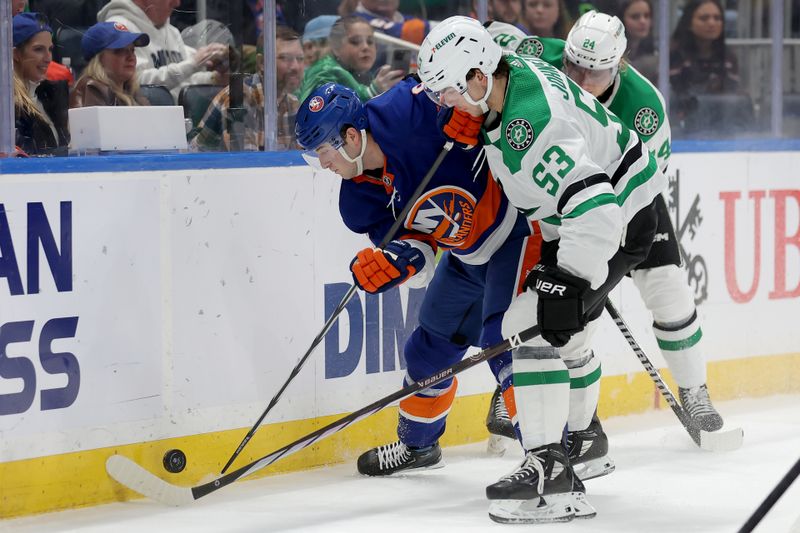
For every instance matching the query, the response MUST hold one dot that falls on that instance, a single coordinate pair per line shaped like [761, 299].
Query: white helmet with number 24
[596, 41]
[450, 51]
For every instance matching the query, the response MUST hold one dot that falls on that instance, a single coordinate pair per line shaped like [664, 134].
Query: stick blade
[145, 483]
[722, 441]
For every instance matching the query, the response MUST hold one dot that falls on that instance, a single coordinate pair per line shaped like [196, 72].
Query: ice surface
[663, 483]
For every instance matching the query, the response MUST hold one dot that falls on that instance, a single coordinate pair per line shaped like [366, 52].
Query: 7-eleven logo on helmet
[316, 104]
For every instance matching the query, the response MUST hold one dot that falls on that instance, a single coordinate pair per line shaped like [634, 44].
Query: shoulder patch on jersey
[519, 134]
[530, 46]
[646, 121]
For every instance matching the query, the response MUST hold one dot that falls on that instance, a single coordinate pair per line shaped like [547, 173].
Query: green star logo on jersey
[519, 134]
[530, 46]
[646, 121]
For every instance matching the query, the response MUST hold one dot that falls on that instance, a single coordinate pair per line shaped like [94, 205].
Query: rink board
[162, 308]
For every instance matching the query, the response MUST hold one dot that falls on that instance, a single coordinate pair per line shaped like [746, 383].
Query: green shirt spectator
[351, 58]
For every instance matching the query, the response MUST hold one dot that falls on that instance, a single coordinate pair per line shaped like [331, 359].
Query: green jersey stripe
[526, 379]
[638, 180]
[591, 203]
[585, 381]
[674, 346]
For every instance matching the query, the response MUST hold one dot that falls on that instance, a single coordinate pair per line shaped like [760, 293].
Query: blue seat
[157, 94]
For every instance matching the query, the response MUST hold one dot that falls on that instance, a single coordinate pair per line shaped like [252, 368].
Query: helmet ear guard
[324, 115]
[325, 112]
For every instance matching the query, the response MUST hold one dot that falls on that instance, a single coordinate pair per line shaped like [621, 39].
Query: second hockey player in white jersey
[567, 162]
[592, 56]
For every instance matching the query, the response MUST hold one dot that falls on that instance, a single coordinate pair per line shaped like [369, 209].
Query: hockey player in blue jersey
[462, 210]
[492, 247]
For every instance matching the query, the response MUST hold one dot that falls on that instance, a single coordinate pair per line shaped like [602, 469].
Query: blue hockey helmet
[324, 114]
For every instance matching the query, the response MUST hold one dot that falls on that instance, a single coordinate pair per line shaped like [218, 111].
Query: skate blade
[583, 509]
[602, 466]
[561, 507]
[498, 445]
[412, 471]
[722, 441]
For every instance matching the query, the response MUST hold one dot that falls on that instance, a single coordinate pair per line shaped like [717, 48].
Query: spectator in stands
[18, 6]
[637, 16]
[508, 11]
[166, 60]
[350, 60]
[315, 38]
[546, 18]
[212, 134]
[699, 60]
[40, 106]
[384, 16]
[109, 78]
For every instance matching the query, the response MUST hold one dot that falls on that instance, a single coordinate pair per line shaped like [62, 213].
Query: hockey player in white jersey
[565, 161]
[593, 57]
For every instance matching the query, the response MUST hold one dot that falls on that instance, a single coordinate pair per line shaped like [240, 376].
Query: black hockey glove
[560, 313]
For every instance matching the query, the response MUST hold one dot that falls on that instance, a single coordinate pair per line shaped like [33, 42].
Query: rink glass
[764, 104]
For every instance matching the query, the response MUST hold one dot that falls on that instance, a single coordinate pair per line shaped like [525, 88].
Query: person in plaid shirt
[210, 133]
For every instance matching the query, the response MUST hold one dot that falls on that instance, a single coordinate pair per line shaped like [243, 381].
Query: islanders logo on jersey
[316, 104]
[446, 213]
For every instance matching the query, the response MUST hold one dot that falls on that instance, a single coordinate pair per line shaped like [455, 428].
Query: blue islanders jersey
[462, 209]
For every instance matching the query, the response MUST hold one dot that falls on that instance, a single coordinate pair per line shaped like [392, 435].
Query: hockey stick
[771, 499]
[713, 441]
[339, 308]
[148, 484]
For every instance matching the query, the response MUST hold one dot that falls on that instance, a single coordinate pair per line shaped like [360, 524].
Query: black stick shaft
[336, 426]
[339, 308]
[654, 374]
[771, 499]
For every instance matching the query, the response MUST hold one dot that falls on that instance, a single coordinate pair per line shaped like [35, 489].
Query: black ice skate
[543, 489]
[499, 425]
[497, 421]
[698, 406]
[397, 457]
[588, 451]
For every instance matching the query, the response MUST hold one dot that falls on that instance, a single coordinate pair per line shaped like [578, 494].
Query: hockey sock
[680, 345]
[541, 392]
[584, 390]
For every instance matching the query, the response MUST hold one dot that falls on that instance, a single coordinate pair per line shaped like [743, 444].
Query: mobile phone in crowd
[401, 59]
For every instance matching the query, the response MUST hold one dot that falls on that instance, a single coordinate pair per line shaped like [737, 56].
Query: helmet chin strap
[482, 101]
[359, 159]
[613, 79]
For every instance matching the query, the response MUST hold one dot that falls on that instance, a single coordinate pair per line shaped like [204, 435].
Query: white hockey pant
[667, 294]
[553, 387]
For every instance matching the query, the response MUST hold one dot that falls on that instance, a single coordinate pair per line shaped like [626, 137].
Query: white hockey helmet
[597, 41]
[450, 51]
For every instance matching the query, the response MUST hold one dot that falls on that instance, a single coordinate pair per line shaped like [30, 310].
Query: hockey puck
[174, 461]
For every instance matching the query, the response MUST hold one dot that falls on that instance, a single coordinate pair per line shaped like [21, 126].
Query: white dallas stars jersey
[633, 98]
[565, 160]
